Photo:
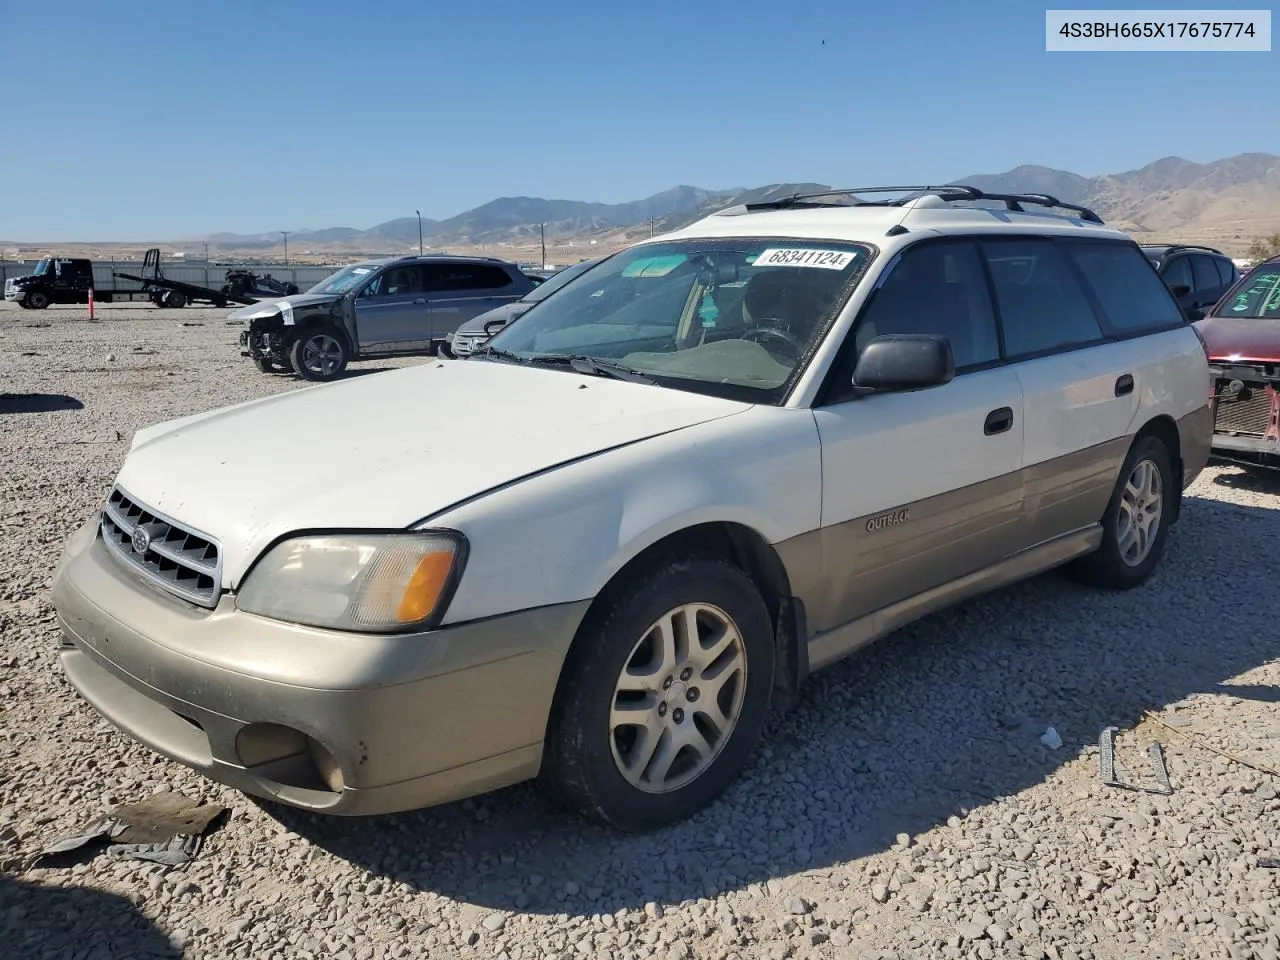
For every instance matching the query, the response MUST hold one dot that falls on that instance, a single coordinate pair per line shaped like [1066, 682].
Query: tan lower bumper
[396, 723]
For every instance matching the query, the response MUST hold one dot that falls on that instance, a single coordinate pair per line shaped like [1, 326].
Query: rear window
[1131, 294]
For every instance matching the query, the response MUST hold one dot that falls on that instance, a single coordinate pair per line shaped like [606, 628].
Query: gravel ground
[907, 808]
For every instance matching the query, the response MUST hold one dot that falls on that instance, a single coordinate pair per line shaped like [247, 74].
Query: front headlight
[368, 583]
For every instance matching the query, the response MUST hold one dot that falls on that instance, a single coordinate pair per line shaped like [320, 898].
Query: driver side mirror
[904, 362]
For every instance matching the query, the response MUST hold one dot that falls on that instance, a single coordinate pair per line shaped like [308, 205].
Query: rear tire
[1136, 524]
[319, 353]
[175, 299]
[645, 733]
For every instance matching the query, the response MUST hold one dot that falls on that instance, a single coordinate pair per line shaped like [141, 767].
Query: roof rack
[1170, 247]
[949, 192]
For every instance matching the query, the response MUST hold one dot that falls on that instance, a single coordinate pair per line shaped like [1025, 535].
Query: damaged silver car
[378, 308]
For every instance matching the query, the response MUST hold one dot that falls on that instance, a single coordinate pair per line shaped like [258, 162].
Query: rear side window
[1226, 271]
[444, 277]
[1130, 293]
[1206, 273]
[1042, 306]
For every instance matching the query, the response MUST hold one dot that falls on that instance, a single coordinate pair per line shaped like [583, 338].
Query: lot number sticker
[787, 257]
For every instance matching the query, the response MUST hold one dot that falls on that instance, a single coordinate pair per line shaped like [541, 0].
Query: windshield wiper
[591, 366]
[494, 353]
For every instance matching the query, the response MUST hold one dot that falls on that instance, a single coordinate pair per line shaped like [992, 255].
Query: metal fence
[204, 274]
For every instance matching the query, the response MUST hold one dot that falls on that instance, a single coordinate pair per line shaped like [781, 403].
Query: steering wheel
[765, 335]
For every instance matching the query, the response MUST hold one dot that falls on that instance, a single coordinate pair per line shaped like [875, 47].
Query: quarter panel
[566, 532]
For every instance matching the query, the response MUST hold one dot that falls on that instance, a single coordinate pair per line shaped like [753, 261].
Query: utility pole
[285, 233]
[652, 221]
[542, 230]
[206, 253]
[419, 213]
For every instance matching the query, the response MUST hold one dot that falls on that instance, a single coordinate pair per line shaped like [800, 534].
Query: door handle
[998, 421]
[1124, 386]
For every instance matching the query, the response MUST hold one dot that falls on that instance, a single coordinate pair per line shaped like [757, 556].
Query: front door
[922, 487]
[460, 291]
[392, 311]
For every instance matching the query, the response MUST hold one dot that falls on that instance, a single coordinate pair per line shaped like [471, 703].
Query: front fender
[562, 535]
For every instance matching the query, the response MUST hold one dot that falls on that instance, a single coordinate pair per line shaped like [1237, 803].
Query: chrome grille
[173, 557]
[465, 344]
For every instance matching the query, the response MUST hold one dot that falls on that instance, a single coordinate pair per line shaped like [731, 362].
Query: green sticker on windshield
[654, 266]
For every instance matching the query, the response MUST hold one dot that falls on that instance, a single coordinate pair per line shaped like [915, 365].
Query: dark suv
[378, 308]
[1205, 273]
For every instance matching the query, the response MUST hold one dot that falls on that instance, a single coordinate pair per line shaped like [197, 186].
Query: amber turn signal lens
[425, 585]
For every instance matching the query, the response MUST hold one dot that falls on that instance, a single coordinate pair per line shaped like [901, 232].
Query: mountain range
[1225, 200]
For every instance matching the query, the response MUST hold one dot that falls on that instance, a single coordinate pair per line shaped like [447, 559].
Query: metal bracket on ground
[1107, 765]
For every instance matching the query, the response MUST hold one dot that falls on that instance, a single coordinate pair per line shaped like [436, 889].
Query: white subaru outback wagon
[596, 551]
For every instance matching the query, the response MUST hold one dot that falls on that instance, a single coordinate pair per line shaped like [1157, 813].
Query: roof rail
[949, 192]
[1170, 247]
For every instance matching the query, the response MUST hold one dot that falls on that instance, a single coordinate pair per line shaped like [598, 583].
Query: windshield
[730, 317]
[556, 281]
[1256, 298]
[42, 267]
[344, 279]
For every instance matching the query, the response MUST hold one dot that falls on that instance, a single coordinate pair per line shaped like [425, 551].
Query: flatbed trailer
[175, 293]
[70, 280]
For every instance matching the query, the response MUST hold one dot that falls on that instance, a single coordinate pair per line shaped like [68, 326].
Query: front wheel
[1136, 524]
[663, 696]
[36, 300]
[319, 353]
[176, 299]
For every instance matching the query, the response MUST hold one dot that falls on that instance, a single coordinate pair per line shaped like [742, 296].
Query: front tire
[1136, 524]
[36, 300]
[175, 299]
[319, 353]
[663, 696]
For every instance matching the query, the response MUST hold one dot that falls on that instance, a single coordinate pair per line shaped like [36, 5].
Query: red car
[1242, 332]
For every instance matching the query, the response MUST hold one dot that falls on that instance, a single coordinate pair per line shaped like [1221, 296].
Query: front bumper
[318, 719]
[13, 293]
[1247, 451]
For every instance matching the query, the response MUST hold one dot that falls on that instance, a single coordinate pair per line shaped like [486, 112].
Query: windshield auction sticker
[787, 257]
[1170, 31]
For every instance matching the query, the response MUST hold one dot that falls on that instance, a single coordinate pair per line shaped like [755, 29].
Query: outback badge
[891, 519]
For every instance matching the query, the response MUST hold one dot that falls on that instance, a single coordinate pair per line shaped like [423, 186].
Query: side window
[1042, 306]
[1177, 272]
[938, 289]
[1205, 273]
[1226, 271]
[1122, 281]
[446, 277]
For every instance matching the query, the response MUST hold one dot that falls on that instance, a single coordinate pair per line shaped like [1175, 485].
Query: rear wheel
[175, 299]
[319, 353]
[36, 300]
[1136, 523]
[663, 696]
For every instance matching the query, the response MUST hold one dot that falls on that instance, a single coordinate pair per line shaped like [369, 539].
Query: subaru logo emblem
[141, 539]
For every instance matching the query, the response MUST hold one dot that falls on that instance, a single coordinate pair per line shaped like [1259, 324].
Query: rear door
[1073, 317]
[461, 291]
[392, 311]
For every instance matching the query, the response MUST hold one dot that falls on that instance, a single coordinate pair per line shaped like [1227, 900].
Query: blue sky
[149, 121]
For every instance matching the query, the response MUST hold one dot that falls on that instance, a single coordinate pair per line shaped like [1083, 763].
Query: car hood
[387, 450]
[505, 313]
[1229, 338]
[285, 305]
